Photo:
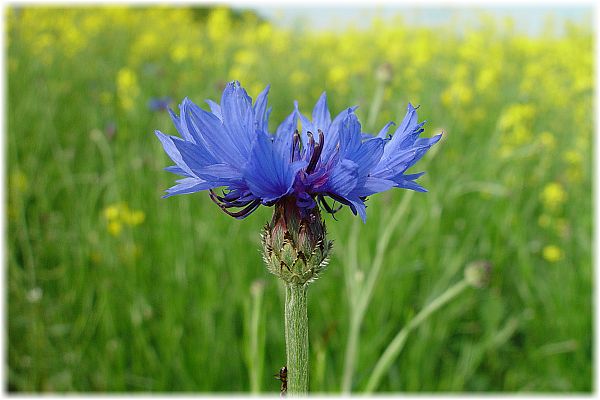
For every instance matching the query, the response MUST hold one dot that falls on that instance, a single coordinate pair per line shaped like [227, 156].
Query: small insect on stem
[282, 376]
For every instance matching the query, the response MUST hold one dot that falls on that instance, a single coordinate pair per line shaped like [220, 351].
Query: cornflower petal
[321, 118]
[210, 133]
[284, 136]
[238, 118]
[172, 152]
[268, 174]
[215, 109]
[261, 117]
[187, 185]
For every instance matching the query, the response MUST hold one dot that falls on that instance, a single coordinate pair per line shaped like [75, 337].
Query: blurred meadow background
[111, 288]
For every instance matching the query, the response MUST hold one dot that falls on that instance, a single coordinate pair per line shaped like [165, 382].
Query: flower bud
[477, 273]
[295, 246]
[385, 73]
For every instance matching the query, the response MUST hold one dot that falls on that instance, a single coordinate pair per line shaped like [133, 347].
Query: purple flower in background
[159, 103]
[231, 147]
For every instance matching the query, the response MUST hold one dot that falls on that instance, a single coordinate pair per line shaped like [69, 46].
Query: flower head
[231, 147]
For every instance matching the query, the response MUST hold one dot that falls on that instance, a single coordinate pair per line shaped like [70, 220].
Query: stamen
[314, 159]
[224, 205]
[243, 213]
[311, 140]
[225, 198]
[339, 199]
[295, 143]
[327, 207]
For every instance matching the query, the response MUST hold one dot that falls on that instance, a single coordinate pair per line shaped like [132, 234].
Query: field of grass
[111, 288]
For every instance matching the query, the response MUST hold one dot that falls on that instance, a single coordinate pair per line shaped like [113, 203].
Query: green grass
[166, 305]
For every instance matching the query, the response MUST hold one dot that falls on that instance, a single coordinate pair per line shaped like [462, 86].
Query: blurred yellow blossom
[127, 88]
[573, 157]
[516, 125]
[547, 140]
[575, 167]
[119, 215]
[553, 196]
[219, 24]
[457, 94]
[112, 212]
[487, 79]
[180, 53]
[18, 181]
[114, 228]
[552, 253]
[338, 77]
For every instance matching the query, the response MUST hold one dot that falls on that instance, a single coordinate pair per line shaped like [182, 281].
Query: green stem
[296, 339]
[396, 345]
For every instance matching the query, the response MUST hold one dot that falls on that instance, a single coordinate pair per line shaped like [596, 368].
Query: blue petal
[342, 179]
[178, 126]
[321, 118]
[238, 118]
[373, 185]
[410, 185]
[340, 118]
[195, 156]
[188, 128]
[211, 133]
[174, 169]
[307, 125]
[187, 185]
[412, 177]
[383, 132]
[332, 136]
[285, 134]
[406, 133]
[349, 136]
[220, 174]
[268, 174]
[172, 152]
[424, 145]
[260, 108]
[360, 208]
[368, 155]
[215, 109]
[410, 119]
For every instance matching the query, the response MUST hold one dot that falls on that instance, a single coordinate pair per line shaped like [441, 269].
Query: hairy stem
[296, 339]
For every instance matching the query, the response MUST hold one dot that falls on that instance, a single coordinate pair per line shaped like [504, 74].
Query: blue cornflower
[231, 147]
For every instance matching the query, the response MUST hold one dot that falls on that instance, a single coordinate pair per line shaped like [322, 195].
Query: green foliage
[111, 288]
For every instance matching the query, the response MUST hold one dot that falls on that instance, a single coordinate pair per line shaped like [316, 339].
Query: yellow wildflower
[180, 53]
[115, 228]
[553, 196]
[133, 218]
[119, 214]
[18, 181]
[552, 253]
[547, 140]
[127, 88]
[111, 212]
[218, 24]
